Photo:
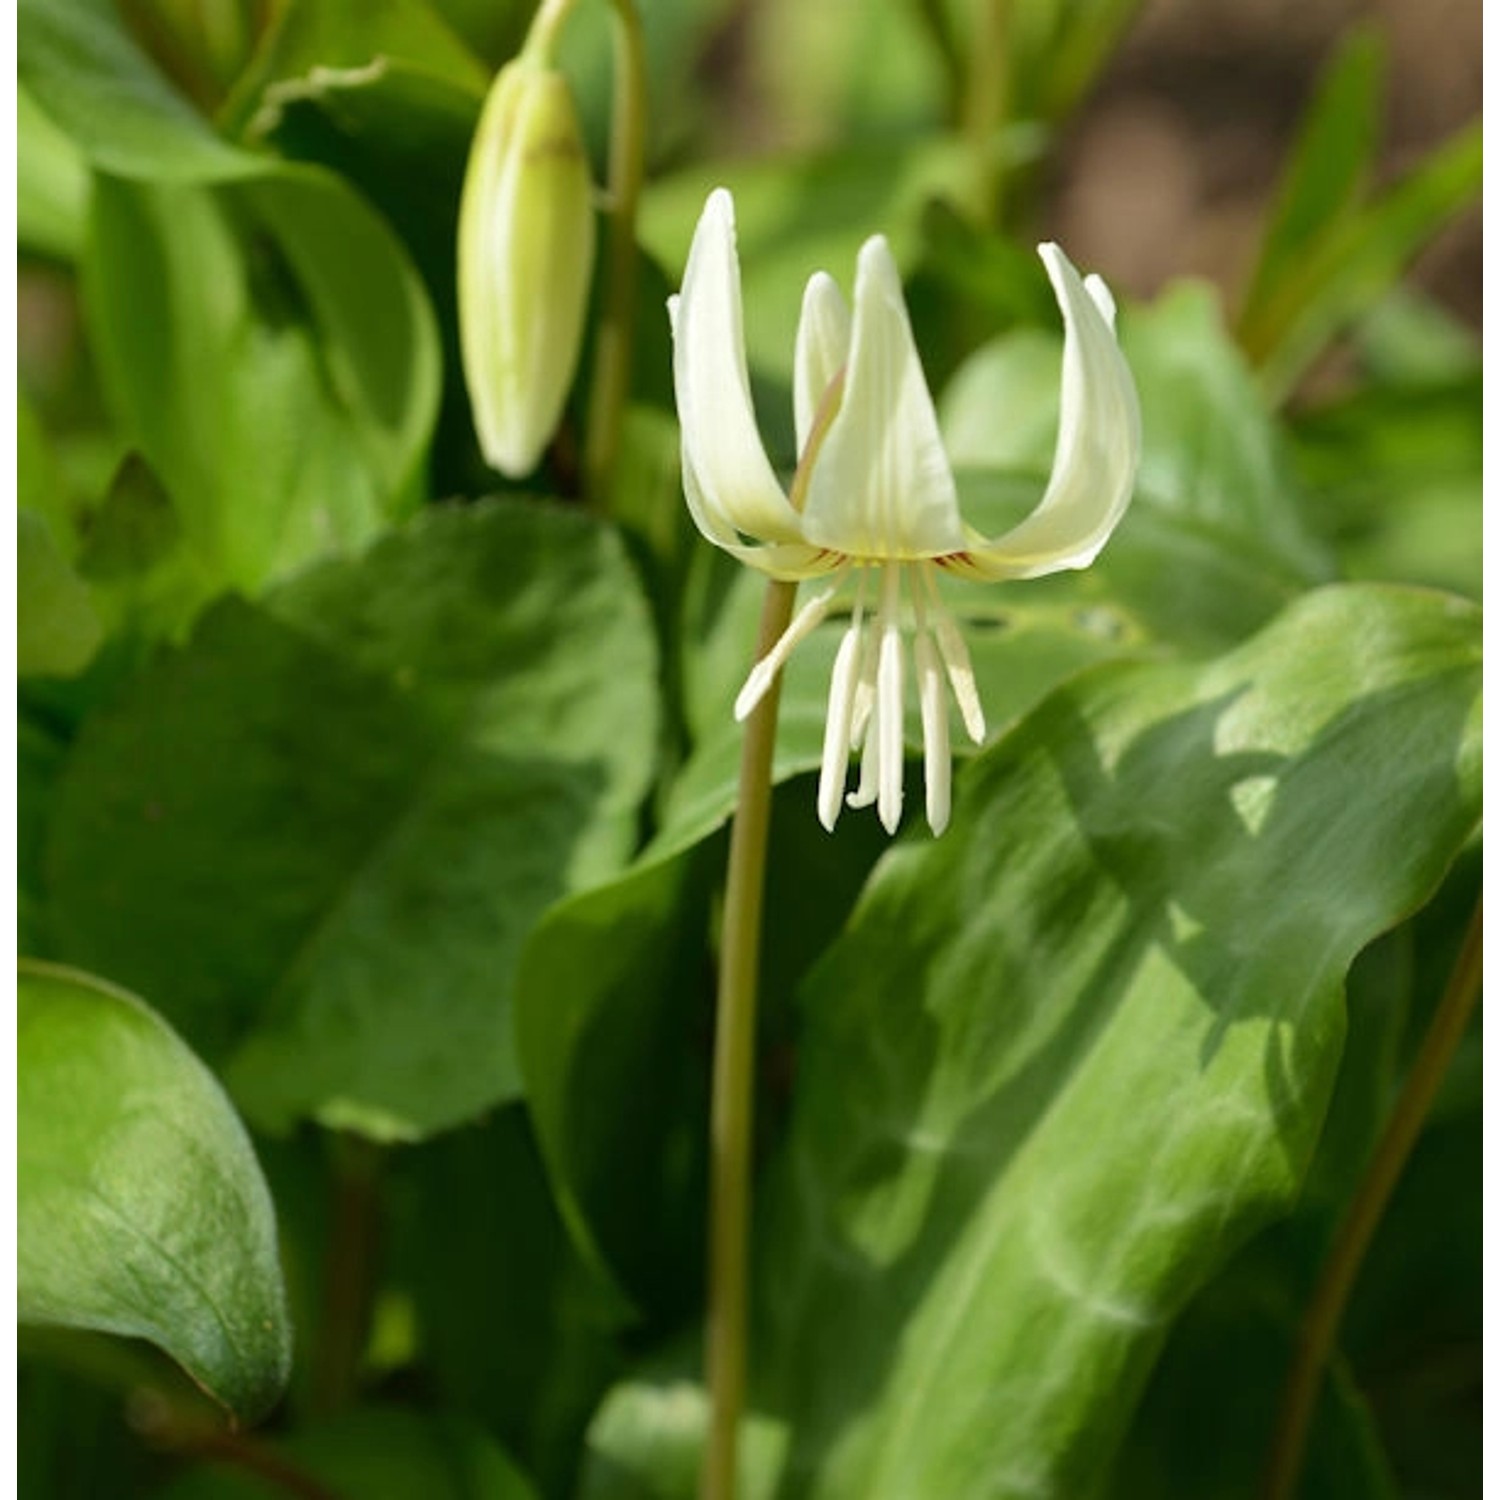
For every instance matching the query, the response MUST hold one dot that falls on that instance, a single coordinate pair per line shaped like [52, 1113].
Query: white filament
[763, 673]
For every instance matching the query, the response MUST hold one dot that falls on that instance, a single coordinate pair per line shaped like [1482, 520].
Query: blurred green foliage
[398, 794]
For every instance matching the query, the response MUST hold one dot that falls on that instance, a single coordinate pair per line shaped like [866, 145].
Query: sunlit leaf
[140, 1207]
[1064, 1059]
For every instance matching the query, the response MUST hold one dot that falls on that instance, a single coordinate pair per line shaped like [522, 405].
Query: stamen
[869, 757]
[888, 695]
[836, 732]
[937, 761]
[763, 673]
[955, 654]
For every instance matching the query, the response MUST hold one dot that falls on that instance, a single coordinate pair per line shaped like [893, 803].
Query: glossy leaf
[1065, 1059]
[290, 412]
[289, 415]
[140, 1207]
[411, 755]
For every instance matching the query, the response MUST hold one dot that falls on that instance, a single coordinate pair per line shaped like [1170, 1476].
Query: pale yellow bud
[525, 254]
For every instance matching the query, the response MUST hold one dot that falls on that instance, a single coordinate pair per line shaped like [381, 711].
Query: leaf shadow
[917, 1101]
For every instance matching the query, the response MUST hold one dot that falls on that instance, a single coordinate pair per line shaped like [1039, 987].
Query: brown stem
[1320, 1324]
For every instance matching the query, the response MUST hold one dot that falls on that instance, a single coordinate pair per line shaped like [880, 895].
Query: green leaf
[140, 1207]
[52, 184]
[378, 1453]
[87, 73]
[386, 775]
[1063, 1060]
[57, 626]
[290, 413]
[348, 44]
[1327, 169]
[1057, 48]
[1360, 261]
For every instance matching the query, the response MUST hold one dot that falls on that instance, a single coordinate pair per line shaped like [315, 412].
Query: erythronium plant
[873, 504]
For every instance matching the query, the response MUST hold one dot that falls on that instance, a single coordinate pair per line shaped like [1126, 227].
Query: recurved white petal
[1098, 444]
[882, 487]
[822, 348]
[721, 443]
[788, 561]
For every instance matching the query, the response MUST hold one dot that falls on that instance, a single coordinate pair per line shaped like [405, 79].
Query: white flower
[873, 502]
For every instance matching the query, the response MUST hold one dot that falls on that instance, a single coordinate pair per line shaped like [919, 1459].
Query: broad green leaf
[608, 1002]
[1359, 262]
[86, 72]
[57, 626]
[1061, 1062]
[386, 774]
[140, 1207]
[289, 413]
[614, 1000]
[52, 184]
[1415, 1310]
[376, 1453]
[1328, 166]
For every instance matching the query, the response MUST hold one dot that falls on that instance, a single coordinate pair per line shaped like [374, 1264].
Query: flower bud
[525, 253]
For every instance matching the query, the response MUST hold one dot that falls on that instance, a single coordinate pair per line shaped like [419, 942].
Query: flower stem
[616, 334]
[985, 105]
[1320, 1324]
[734, 1072]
